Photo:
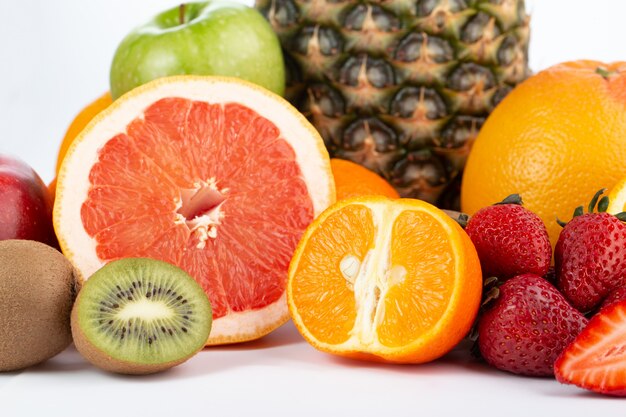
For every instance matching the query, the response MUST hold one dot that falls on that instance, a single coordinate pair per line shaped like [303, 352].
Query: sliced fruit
[596, 359]
[140, 316]
[215, 175]
[617, 198]
[80, 121]
[354, 180]
[381, 279]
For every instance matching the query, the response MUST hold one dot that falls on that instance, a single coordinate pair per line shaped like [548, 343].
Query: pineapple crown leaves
[602, 205]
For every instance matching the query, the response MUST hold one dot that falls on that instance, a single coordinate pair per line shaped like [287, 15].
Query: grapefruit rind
[247, 325]
[73, 179]
[466, 289]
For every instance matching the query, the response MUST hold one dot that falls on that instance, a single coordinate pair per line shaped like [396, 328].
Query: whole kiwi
[38, 286]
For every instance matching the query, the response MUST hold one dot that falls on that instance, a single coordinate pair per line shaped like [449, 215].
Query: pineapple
[402, 87]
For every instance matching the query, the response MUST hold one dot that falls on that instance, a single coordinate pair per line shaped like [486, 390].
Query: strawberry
[550, 276]
[527, 326]
[590, 256]
[510, 240]
[596, 359]
[617, 295]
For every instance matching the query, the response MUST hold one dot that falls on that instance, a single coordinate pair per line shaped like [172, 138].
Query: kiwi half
[140, 316]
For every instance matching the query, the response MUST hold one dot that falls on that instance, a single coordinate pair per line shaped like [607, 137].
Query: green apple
[209, 38]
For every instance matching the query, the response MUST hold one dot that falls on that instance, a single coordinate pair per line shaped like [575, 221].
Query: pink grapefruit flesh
[215, 188]
[234, 230]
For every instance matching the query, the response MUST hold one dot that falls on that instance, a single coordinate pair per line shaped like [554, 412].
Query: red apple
[25, 204]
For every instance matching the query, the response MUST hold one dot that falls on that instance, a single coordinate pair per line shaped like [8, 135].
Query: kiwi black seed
[140, 316]
[38, 286]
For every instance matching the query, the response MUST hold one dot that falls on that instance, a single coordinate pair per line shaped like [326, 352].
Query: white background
[54, 59]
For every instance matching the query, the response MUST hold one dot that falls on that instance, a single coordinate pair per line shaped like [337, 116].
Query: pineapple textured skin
[402, 87]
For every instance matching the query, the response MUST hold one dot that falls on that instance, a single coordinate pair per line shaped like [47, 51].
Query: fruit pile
[534, 316]
[195, 206]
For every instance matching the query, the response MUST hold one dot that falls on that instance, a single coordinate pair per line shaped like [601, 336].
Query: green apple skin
[215, 38]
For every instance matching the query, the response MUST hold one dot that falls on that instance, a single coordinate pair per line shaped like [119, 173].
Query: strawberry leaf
[491, 295]
[579, 211]
[603, 205]
[462, 220]
[594, 200]
[512, 199]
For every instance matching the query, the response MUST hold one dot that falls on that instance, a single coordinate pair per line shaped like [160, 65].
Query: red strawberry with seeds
[590, 256]
[527, 326]
[510, 240]
[596, 359]
[617, 295]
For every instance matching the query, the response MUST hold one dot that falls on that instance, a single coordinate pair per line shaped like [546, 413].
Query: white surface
[54, 59]
[281, 375]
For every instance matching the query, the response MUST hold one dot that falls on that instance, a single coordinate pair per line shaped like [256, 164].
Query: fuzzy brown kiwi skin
[38, 286]
[105, 362]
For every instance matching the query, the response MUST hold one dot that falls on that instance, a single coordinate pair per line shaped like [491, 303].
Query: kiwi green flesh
[142, 311]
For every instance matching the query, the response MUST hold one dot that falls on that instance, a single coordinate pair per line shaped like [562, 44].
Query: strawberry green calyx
[491, 291]
[594, 200]
[578, 211]
[462, 220]
[459, 217]
[511, 199]
[601, 204]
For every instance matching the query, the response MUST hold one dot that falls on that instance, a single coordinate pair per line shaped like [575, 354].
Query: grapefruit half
[215, 175]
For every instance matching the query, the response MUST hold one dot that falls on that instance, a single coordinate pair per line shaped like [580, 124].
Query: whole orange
[354, 180]
[556, 139]
[80, 121]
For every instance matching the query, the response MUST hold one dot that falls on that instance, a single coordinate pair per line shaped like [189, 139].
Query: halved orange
[387, 280]
[217, 176]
